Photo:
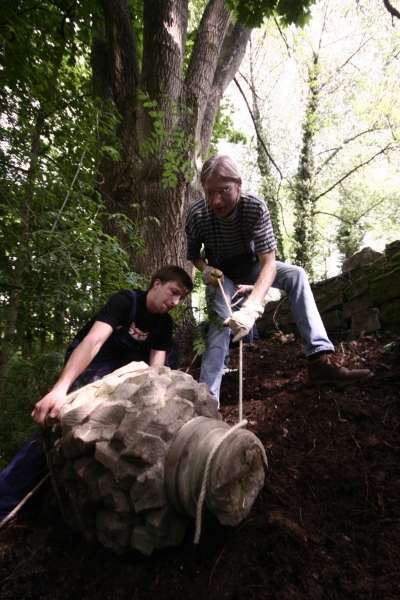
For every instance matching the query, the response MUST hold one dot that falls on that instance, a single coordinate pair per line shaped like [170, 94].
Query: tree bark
[231, 56]
[166, 119]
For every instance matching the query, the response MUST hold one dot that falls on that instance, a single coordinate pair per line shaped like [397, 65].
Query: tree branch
[322, 212]
[204, 62]
[259, 137]
[334, 151]
[393, 11]
[356, 168]
[359, 217]
[232, 52]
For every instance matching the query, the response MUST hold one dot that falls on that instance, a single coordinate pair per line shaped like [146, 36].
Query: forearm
[80, 358]
[157, 358]
[83, 354]
[76, 364]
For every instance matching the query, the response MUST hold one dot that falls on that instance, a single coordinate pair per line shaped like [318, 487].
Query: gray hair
[221, 165]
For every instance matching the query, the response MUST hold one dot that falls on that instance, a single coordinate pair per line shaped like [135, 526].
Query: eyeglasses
[222, 191]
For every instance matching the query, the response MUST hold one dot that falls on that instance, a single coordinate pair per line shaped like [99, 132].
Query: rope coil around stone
[241, 423]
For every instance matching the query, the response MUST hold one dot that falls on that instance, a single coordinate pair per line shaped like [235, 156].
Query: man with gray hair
[231, 240]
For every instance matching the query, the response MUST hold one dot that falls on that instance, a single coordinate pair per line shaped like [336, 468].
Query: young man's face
[162, 297]
[221, 194]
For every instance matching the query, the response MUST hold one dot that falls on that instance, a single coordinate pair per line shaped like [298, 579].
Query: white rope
[228, 306]
[241, 423]
[203, 489]
[240, 403]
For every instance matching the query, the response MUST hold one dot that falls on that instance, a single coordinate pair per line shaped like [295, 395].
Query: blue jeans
[294, 281]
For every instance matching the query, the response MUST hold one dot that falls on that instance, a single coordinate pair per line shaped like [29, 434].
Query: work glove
[243, 320]
[211, 276]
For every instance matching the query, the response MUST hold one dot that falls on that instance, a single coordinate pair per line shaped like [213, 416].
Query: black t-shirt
[124, 312]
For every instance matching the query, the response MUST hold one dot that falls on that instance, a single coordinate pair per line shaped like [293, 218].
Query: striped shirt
[248, 230]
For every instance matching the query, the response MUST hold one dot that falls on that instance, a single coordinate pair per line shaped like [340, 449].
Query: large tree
[167, 84]
[167, 102]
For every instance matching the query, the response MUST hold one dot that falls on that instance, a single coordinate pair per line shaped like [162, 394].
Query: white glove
[211, 276]
[243, 320]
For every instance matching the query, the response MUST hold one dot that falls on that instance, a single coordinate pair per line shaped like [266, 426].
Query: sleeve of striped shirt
[263, 234]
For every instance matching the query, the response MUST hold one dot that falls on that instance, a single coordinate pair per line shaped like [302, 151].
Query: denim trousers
[294, 281]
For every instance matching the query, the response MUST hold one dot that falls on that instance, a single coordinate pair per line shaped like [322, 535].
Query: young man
[233, 231]
[133, 325]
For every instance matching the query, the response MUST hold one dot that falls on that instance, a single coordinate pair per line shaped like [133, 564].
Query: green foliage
[253, 12]
[167, 144]
[27, 381]
[224, 128]
[304, 197]
[58, 262]
[199, 343]
[351, 230]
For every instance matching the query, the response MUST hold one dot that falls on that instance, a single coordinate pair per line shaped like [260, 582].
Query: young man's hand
[211, 276]
[49, 405]
[243, 320]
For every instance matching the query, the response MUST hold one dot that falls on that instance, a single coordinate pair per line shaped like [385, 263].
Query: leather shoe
[324, 368]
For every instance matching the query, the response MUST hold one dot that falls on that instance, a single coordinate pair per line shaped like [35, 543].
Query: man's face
[162, 297]
[221, 194]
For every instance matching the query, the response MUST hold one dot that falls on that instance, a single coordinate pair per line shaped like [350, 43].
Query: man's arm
[157, 358]
[243, 320]
[76, 364]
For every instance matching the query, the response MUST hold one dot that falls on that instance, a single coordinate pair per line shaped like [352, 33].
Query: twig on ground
[23, 501]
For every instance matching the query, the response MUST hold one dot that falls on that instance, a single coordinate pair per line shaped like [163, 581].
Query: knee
[296, 277]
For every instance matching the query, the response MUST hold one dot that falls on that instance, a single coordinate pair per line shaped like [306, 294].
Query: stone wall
[363, 299]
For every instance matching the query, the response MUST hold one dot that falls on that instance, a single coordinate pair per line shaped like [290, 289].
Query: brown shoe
[324, 368]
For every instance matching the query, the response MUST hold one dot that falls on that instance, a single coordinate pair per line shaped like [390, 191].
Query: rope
[240, 403]
[241, 423]
[240, 406]
[228, 306]
[203, 489]
[200, 501]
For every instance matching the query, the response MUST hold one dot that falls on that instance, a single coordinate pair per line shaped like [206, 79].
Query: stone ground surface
[326, 525]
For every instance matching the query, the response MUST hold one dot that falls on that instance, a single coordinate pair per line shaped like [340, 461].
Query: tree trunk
[166, 120]
[304, 197]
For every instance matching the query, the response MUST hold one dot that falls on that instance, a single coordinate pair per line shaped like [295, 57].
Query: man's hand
[243, 320]
[243, 290]
[49, 405]
[211, 276]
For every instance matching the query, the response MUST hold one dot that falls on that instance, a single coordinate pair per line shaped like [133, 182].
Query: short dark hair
[172, 273]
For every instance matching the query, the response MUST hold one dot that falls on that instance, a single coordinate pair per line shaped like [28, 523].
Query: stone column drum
[128, 457]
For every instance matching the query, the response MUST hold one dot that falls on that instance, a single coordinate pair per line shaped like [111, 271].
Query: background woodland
[107, 110]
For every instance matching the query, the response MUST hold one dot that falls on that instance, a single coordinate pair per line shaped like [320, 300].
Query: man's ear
[156, 284]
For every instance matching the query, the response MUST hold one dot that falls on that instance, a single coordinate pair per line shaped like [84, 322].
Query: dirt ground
[326, 525]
